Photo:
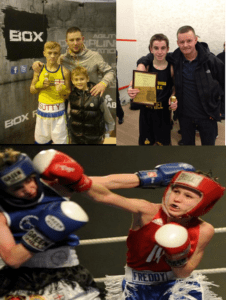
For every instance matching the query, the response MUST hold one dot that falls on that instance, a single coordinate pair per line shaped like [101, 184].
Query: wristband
[104, 84]
[176, 263]
[39, 85]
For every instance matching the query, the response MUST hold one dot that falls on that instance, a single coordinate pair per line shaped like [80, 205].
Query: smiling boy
[90, 117]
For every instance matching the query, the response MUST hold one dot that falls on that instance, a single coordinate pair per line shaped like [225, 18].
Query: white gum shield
[210, 190]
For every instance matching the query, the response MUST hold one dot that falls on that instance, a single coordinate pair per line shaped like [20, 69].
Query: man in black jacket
[222, 54]
[199, 82]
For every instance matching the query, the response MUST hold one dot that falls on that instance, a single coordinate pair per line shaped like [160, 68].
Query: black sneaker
[120, 121]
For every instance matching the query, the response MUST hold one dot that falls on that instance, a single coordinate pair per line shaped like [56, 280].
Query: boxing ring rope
[123, 238]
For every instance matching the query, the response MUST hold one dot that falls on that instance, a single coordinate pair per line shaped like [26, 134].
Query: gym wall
[25, 27]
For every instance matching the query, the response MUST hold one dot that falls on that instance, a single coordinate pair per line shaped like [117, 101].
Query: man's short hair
[73, 29]
[78, 71]
[185, 29]
[159, 37]
[51, 45]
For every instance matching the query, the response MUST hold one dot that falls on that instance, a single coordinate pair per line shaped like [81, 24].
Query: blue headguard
[15, 174]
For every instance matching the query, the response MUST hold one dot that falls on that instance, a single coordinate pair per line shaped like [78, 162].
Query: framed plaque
[147, 84]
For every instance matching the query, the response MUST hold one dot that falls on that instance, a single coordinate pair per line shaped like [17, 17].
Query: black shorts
[36, 279]
[155, 126]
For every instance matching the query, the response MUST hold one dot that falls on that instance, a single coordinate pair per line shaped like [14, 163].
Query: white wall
[207, 17]
[140, 19]
[127, 51]
[225, 19]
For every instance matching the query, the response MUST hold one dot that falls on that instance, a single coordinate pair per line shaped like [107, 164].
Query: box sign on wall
[25, 34]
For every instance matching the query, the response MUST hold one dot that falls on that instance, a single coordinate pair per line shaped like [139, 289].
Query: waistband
[61, 257]
[147, 277]
[51, 108]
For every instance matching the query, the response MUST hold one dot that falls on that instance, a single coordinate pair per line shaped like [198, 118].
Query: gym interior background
[25, 26]
[106, 221]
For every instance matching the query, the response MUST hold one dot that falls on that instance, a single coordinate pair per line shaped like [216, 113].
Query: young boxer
[37, 240]
[52, 84]
[166, 241]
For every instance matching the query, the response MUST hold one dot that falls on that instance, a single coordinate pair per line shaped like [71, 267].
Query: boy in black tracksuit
[89, 117]
[155, 121]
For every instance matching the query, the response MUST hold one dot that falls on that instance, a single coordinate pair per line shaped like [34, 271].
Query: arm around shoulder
[145, 60]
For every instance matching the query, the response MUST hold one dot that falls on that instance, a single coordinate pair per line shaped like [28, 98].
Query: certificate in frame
[147, 84]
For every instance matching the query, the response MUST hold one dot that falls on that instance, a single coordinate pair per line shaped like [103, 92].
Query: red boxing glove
[174, 239]
[52, 164]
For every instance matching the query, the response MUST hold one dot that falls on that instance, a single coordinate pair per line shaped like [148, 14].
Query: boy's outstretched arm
[158, 177]
[101, 194]
[117, 181]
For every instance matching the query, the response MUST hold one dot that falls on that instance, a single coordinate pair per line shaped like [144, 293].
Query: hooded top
[92, 61]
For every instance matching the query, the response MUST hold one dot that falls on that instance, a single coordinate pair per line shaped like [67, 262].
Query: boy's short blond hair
[8, 157]
[51, 45]
[78, 71]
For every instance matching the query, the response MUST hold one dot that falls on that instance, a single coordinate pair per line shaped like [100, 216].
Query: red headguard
[210, 191]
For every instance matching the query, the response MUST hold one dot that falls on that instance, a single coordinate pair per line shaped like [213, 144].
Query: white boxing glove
[175, 241]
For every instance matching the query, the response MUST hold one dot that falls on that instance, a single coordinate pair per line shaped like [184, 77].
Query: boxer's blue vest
[20, 220]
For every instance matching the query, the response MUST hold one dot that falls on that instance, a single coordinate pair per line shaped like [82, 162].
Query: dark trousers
[154, 126]
[207, 129]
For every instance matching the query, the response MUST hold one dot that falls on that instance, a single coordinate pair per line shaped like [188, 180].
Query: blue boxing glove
[55, 222]
[162, 174]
